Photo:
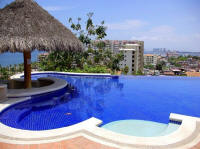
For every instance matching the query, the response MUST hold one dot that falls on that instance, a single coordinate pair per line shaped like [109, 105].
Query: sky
[171, 24]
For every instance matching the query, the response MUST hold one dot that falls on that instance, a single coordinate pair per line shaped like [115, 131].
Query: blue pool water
[109, 99]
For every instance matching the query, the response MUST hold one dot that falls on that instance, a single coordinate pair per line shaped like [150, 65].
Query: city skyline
[172, 24]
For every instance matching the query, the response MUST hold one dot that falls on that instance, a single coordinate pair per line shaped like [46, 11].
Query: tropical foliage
[88, 32]
[126, 70]
[100, 60]
[91, 61]
[174, 61]
[6, 72]
[149, 66]
[139, 73]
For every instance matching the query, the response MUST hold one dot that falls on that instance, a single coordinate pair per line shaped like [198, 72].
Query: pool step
[170, 128]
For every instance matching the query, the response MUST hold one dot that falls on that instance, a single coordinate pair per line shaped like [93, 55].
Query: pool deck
[75, 143]
[87, 135]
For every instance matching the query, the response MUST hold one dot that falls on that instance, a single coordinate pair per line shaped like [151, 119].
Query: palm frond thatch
[24, 25]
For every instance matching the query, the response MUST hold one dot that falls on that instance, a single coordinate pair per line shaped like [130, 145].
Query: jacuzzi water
[141, 128]
[106, 98]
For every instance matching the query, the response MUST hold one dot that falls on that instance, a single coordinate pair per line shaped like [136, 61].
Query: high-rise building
[132, 58]
[150, 59]
[172, 54]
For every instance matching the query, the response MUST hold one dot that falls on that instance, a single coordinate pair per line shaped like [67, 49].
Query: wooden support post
[27, 69]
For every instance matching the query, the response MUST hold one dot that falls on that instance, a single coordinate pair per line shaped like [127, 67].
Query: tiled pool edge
[185, 137]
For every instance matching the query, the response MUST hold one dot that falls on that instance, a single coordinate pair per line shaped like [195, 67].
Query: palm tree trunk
[27, 69]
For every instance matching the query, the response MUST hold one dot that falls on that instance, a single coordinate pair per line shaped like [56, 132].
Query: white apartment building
[134, 57]
[131, 58]
[150, 59]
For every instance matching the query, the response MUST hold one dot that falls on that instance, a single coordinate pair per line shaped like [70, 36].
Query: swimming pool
[106, 98]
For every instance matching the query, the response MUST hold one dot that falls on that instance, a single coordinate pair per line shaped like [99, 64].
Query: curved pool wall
[145, 98]
[56, 84]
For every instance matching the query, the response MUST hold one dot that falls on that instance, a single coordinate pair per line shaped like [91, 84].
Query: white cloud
[189, 19]
[153, 38]
[166, 36]
[126, 25]
[197, 36]
[163, 29]
[159, 33]
[57, 8]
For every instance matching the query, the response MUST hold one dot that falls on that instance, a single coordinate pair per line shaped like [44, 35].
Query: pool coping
[67, 73]
[186, 136]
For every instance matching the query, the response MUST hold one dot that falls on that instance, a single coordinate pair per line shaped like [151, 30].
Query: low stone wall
[193, 74]
[19, 83]
[44, 85]
[44, 82]
[3, 91]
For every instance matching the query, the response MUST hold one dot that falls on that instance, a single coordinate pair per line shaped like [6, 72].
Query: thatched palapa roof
[24, 25]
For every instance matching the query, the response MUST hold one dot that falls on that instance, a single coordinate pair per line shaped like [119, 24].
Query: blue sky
[172, 24]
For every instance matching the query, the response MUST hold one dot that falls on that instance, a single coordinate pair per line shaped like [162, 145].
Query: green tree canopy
[90, 32]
